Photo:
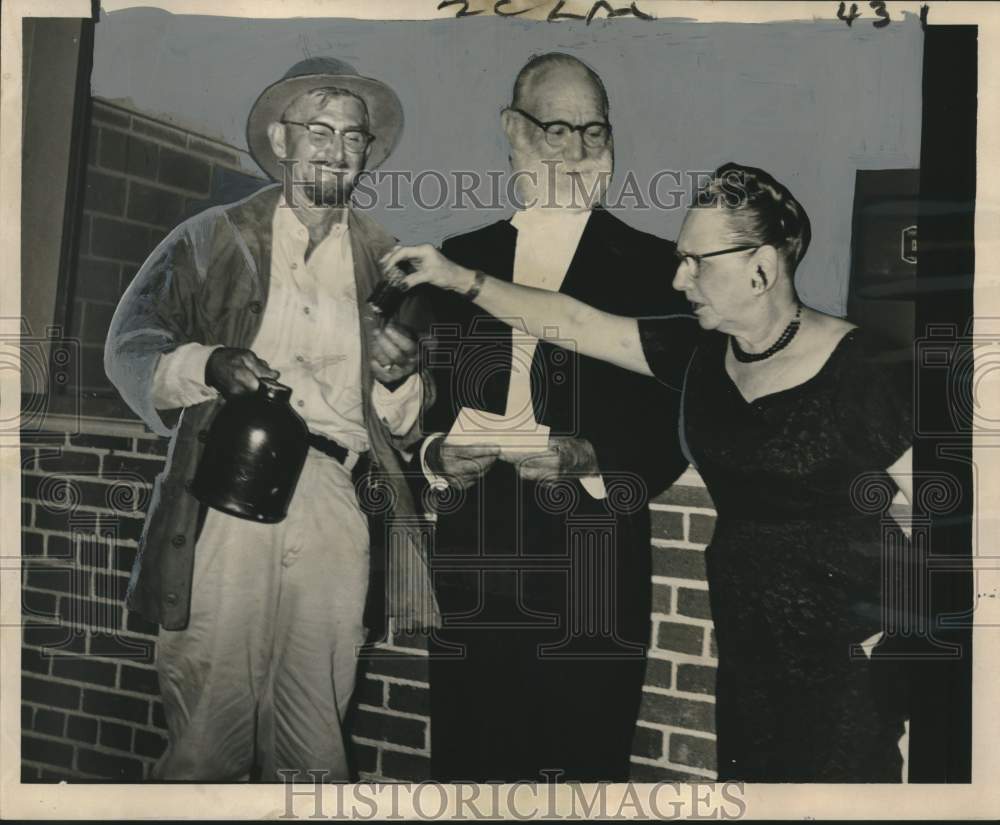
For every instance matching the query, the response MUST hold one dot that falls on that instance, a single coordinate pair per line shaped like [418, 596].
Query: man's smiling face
[319, 152]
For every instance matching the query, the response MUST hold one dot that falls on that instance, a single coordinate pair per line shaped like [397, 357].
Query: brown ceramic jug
[254, 453]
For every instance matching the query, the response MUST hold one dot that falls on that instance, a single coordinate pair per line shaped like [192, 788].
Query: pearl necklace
[783, 341]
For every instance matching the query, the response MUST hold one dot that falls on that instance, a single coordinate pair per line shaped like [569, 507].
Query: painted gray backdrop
[811, 102]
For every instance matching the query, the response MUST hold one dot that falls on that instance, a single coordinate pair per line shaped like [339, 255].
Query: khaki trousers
[264, 671]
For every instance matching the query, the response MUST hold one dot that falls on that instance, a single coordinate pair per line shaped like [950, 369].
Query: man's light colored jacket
[208, 282]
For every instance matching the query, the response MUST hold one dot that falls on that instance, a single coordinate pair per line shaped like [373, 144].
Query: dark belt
[336, 450]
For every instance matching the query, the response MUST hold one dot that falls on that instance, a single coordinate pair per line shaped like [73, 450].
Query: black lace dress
[795, 564]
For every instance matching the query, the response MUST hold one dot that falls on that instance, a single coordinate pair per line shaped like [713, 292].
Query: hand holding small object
[428, 266]
[462, 464]
[393, 354]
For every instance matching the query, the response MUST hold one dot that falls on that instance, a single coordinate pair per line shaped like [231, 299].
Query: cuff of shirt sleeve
[594, 485]
[399, 408]
[179, 379]
[436, 482]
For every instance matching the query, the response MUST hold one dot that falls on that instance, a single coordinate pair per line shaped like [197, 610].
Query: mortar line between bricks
[45, 531]
[379, 778]
[46, 766]
[128, 189]
[682, 508]
[666, 763]
[89, 657]
[74, 743]
[700, 772]
[390, 746]
[679, 658]
[72, 773]
[679, 544]
[662, 655]
[79, 773]
[696, 734]
[57, 564]
[707, 645]
[153, 182]
[690, 478]
[402, 714]
[129, 694]
[145, 727]
[411, 651]
[680, 618]
[100, 452]
[396, 680]
[89, 508]
[68, 425]
[692, 584]
[144, 118]
[107, 750]
[198, 153]
[48, 507]
[88, 596]
[76, 567]
[52, 562]
[37, 706]
[130, 221]
[51, 621]
[106, 259]
[705, 698]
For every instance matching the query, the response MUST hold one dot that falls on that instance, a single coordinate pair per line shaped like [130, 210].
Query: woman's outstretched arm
[547, 315]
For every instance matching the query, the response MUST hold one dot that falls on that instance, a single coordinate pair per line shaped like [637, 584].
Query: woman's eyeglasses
[321, 136]
[557, 132]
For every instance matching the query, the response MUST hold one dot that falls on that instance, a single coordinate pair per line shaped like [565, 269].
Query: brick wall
[674, 738]
[89, 696]
[390, 725]
[143, 177]
[90, 706]
[89, 692]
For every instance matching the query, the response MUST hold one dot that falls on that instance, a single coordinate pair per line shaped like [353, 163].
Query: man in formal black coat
[542, 556]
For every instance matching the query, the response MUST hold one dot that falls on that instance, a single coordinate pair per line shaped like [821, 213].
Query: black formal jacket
[631, 420]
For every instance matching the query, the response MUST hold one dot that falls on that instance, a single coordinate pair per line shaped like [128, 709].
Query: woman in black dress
[787, 416]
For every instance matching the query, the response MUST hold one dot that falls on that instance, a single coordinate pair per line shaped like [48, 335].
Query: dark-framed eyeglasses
[321, 135]
[557, 132]
[696, 258]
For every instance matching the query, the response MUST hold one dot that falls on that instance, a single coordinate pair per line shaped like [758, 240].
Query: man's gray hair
[541, 62]
[322, 95]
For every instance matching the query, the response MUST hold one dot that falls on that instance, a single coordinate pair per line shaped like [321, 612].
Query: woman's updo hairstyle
[761, 210]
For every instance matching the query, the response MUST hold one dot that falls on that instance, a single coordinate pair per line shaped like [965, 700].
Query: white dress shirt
[311, 333]
[546, 243]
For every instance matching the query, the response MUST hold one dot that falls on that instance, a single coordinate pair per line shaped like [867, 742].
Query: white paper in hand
[512, 436]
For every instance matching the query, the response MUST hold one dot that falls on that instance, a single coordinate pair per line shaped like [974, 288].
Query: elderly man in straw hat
[261, 622]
